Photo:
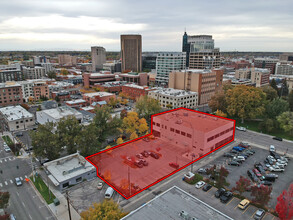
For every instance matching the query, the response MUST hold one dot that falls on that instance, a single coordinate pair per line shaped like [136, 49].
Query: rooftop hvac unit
[185, 114]
[179, 121]
[183, 214]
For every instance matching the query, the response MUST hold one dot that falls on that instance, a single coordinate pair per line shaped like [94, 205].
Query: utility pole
[67, 197]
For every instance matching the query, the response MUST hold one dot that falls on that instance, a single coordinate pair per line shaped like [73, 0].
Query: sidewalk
[60, 211]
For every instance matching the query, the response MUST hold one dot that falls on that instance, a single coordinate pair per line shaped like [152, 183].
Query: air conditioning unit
[183, 214]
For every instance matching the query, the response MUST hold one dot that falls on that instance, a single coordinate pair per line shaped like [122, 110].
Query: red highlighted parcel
[178, 138]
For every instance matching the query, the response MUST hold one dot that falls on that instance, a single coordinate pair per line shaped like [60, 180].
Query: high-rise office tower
[131, 53]
[98, 58]
[200, 51]
[186, 47]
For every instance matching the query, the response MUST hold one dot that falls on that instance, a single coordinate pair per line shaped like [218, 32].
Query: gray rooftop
[170, 203]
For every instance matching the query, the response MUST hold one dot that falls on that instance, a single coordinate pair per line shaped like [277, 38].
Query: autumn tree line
[271, 105]
[53, 140]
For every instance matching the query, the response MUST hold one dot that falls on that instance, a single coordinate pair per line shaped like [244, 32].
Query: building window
[158, 124]
[189, 135]
[172, 129]
[65, 185]
[183, 133]
[177, 131]
[79, 179]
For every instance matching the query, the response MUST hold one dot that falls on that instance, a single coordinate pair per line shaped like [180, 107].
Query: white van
[109, 193]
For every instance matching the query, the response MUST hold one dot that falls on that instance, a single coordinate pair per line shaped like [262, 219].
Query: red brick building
[10, 94]
[135, 91]
[78, 103]
[62, 95]
[97, 96]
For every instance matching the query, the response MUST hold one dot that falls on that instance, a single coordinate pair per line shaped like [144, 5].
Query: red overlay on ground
[178, 138]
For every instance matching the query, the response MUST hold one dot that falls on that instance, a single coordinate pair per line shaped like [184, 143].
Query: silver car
[18, 181]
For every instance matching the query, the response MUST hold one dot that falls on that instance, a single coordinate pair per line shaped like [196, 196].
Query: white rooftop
[100, 94]
[100, 74]
[88, 108]
[68, 167]
[173, 92]
[77, 101]
[15, 113]
[61, 112]
[136, 86]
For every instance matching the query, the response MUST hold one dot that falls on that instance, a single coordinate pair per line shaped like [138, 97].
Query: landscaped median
[7, 140]
[43, 189]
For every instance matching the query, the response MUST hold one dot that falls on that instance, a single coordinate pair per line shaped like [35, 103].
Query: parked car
[272, 148]
[234, 163]
[269, 177]
[174, 165]
[154, 155]
[100, 185]
[228, 155]
[199, 184]
[243, 204]
[266, 183]
[18, 181]
[146, 139]
[239, 158]
[226, 197]
[207, 187]
[257, 173]
[234, 151]
[260, 169]
[202, 170]
[139, 156]
[272, 158]
[241, 128]
[244, 155]
[144, 162]
[252, 175]
[278, 138]
[280, 165]
[129, 159]
[259, 214]
[275, 155]
[282, 162]
[276, 169]
[219, 192]
[19, 134]
[145, 153]
[7, 149]
[237, 148]
[244, 144]
[138, 164]
[248, 152]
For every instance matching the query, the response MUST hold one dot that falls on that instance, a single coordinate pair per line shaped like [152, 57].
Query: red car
[257, 173]
[154, 155]
[243, 144]
[174, 165]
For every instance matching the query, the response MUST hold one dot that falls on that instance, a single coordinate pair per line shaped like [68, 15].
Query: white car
[282, 162]
[7, 149]
[199, 184]
[280, 165]
[276, 169]
[239, 158]
[284, 159]
[272, 148]
[241, 128]
[272, 158]
[100, 185]
[18, 181]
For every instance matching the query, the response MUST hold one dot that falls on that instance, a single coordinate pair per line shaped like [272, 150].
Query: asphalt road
[24, 203]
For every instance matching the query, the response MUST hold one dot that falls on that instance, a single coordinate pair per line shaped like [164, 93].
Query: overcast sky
[242, 25]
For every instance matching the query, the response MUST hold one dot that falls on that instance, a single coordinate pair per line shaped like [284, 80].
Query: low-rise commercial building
[141, 79]
[90, 79]
[111, 86]
[78, 103]
[97, 96]
[61, 95]
[258, 76]
[54, 115]
[10, 94]
[134, 91]
[174, 98]
[70, 170]
[15, 118]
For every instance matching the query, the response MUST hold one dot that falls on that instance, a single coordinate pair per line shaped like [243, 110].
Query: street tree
[273, 84]
[276, 107]
[105, 124]
[286, 121]
[146, 107]
[52, 75]
[133, 136]
[113, 102]
[132, 123]
[119, 141]
[67, 129]
[221, 114]
[45, 142]
[267, 125]
[4, 199]
[64, 71]
[284, 91]
[261, 194]
[221, 177]
[107, 210]
[242, 185]
[270, 92]
[284, 206]
[123, 114]
[87, 141]
[246, 102]
[218, 102]
[290, 100]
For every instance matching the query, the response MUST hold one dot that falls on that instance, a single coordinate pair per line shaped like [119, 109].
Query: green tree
[276, 107]
[146, 107]
[52, 75]
[286, 121]
[284, 91]
[218, 102]
[245, 102]
[104, 123]
[267, 125]
[274, 85]
[4, 199]
[87, 141]
[270, 92]
[67, 129]
[107, 210]
[45, 142]
[290, 100]
[112, 102]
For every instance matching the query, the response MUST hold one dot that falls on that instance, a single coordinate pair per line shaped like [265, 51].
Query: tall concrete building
[205, 82]
[186, 47]
[98, 58]
[131, 53]
[203, 54]
[166, 63]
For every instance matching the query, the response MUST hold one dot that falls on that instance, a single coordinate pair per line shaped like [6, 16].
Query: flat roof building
[10, 94]
[56, 114]
[70, 170]
[177, 205]
[131, 52]
[97, 96]
[15, 118]
[98, 58]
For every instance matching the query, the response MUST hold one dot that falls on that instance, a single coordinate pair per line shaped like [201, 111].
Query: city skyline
[78, 25]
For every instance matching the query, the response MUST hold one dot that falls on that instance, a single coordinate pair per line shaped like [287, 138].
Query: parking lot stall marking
[5, 160]
[230, 201]
[246, 209]
[253, 214]
[209, 190]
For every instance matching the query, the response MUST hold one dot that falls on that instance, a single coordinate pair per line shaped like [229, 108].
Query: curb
[41, 197]
[268, 135]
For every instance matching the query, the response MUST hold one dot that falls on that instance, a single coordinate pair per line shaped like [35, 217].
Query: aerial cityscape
[146, 110]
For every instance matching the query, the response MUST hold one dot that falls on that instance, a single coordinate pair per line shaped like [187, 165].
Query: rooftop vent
[183, 214]
[185, 114]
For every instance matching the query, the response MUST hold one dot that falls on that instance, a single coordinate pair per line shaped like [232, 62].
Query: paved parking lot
[235, 172]
[83, 195]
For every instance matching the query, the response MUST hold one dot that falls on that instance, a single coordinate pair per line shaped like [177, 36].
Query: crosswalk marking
[5, 160]
[11, 181]
[6, 183]
[21, 178]
[9, 158]
[25, 176]
[1, 184]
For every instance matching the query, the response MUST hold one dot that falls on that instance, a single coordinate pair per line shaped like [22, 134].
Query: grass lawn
[7, 140]
[253, 125]
[43, 189]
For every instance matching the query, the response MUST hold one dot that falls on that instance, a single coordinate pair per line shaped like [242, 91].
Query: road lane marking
[9, 158]
[0, 161]
[30, 216]
[230, 201]
[23, 204]
[11, 181]
[6, 183]
[273, 218]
